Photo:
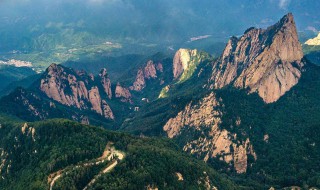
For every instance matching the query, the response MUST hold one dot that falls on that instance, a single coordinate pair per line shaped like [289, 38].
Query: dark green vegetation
[30, 105]
[23, 83]
[155, 114]
[10, 74]
[30, 157]
[291, 154]
[312, 53]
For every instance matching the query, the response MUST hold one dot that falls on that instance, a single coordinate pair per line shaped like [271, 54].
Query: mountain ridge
[266, 61]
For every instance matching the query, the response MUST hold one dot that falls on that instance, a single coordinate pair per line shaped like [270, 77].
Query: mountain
[97, 99]
[246, 110]
[77, 89]
[264, 61]
[57, 154]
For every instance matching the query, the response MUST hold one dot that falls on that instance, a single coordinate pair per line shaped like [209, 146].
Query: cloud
[313, 29]
[283, 4]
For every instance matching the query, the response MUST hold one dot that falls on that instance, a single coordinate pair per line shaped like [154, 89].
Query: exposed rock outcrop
[76, 88]
[57, 81]
[204, 117]
[146, 73]
[266, 61]
[106, 83]
[159, 67]
[122, 93]
[95, 99]
[150, 70]
[185, 63]
[28, 131]
[107, 112]
[314, 41]
[140, 82]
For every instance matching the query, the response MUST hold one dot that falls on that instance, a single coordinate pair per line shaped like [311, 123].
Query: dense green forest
[32, 151]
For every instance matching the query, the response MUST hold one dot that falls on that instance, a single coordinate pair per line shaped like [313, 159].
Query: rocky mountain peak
[266, 61]
[75, 88]
[287, 20]
[106, 83]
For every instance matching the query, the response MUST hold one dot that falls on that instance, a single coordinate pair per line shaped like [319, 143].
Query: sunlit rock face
[314, 41]
[106, 83]
[266, 61]
[122, 93]
[76, 89]
[149, 71]
[204, 117]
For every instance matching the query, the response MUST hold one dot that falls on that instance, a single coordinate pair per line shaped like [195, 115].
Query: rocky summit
[265, 61]
[77, 89]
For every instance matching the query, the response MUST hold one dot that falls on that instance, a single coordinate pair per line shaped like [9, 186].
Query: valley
[159, 95]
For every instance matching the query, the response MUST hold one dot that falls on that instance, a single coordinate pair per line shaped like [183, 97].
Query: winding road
[109, 154]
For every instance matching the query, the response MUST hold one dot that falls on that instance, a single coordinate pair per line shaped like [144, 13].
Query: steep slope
[266, 61]
[87, 94]
[150, 71]
[172, 98]
[77, 89]
[185, 63]
[31, 106]
[62, 92]
[201, 121]
[34, 154]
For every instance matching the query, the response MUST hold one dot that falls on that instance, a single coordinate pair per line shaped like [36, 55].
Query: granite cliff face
[185, 63]
[208, 141]
[106, 83]
[266, 61]
[150, 71]
[76, 89]
[122, 93]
